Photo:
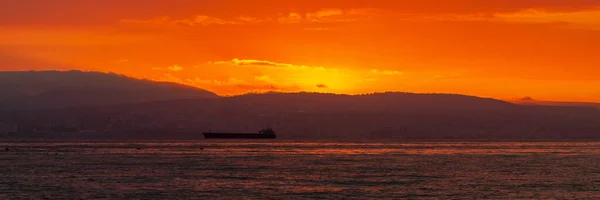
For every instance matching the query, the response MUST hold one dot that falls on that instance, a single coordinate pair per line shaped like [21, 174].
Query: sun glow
[482, 48]
[327, 80]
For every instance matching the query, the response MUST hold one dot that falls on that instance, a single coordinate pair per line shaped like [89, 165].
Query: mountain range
[140, 109]
[59, 89]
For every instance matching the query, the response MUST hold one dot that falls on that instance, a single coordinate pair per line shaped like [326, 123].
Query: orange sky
[546, 49]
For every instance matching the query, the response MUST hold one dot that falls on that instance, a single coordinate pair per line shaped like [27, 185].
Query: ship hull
[238, 136]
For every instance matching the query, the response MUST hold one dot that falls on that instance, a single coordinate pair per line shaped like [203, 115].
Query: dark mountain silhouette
[381, 116]
[58, 89]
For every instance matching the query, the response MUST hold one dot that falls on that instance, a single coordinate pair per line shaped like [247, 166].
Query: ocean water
[299, 170]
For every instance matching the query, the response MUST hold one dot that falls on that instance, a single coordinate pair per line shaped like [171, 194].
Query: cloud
[446, 17]
[259, 62]
[175, 68]
[291, 18]
[233, 86]
[527, 99]
[248, 19]
[325, 15]
[229, 82]
[589, 17]
[252, 62]
[198, 20]
[170, 78]
[386, 72]
[583, 18]
[44, 12]
[265, 79]
[328, 16]
[322, 86]
[318, 29]
[208, 20]
[331, 15]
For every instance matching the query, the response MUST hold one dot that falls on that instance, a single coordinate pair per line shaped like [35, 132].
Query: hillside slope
[58, 89]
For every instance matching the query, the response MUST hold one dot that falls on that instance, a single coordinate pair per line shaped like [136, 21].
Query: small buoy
[138, 148]
[7, 149]
[201, 148]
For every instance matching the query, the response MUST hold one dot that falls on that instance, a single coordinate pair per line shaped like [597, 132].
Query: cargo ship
[267, 133]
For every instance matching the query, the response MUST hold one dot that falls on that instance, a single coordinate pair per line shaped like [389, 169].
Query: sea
[212, 169]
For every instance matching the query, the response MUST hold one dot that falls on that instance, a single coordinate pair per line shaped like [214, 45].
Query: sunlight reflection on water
[288, 169]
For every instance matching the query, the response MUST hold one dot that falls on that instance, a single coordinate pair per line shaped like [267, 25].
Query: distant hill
[58, 89]
[558, 103]
[377, 103]
[381, 116]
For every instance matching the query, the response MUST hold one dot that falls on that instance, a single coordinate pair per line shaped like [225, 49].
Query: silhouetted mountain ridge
[118, 107]
[375, 102]
[329, 116]
[57, 89]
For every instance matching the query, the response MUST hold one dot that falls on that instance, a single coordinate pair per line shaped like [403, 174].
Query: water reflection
[290, 169]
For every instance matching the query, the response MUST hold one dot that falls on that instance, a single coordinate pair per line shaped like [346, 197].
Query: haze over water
[297, 170]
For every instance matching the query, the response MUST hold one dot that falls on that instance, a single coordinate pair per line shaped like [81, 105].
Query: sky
[540, 49]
